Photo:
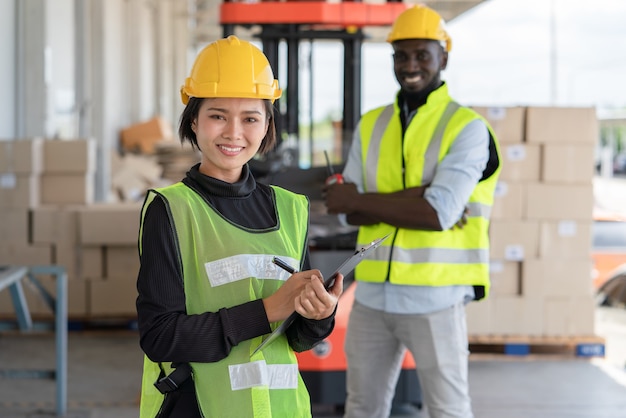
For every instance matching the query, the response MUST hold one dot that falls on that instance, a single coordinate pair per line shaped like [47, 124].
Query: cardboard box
[26, 255]
[506, 122]
[559, 202]
[66, 256]
[142, 137]
[52, 224]
[15, 226]
[557, 278]
[129, 186]
[21, 156]
[6, 305]
[565, 239]
[113, 297]
[521, 162]
[19, 191]
[513, 240]
[508, 202]
[569, 316]
[76, 298]
[91, 260]
[58, 226]
[478, 317]
[67, 189]
[110, 224]
[69, 156]
[122, 262]
[133, 175]
[514, 315]
[505, 278]
[146, 167]
[570, 125]
[568, 163]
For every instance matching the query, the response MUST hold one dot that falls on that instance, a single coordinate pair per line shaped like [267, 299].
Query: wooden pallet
[74, 323]
[516, 345]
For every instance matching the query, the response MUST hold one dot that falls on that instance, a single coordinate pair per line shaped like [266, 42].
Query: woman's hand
[315, 302]
[303, 292]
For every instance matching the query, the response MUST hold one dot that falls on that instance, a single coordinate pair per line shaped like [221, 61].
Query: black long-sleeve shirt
[167, 333]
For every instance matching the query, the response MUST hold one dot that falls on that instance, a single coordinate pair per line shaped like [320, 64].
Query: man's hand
[463, 221]
[340, 198]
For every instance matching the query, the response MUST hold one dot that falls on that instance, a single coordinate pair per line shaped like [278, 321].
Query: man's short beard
[416, 96]
[420, 96]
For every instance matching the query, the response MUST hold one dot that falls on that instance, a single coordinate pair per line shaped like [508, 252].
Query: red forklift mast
[294, 21]
[323, 368]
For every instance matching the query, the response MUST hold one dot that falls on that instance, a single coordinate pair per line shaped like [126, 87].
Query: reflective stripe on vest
[432, 255]
[373, 150]
[259, 373]
[243, 266]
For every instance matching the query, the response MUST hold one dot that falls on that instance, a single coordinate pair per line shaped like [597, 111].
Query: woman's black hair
[191, 111]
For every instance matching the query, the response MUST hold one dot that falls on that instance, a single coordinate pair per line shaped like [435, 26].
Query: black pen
[280, 263]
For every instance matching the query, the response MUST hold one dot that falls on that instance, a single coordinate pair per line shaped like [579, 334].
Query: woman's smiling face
[229, 132]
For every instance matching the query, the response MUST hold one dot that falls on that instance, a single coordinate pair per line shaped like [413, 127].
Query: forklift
[323, 369]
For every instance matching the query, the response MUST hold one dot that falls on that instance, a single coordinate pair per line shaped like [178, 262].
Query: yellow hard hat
[420, 22]
[231, 67]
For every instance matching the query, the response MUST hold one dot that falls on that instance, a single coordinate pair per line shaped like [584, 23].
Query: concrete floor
[104, 374]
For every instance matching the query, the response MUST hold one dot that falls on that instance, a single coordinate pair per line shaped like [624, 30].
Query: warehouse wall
[7, 69]
[89, 68]
[60, 80]
[138, 61]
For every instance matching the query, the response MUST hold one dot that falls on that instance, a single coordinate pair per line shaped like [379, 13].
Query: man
[416, 169]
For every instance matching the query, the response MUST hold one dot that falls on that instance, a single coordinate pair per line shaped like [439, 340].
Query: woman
[208, 290]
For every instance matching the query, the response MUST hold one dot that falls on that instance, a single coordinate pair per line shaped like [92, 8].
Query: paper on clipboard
[346, 267]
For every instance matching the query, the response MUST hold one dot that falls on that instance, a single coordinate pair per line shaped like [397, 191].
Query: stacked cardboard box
[68, 172]
[21, 164]
[132, 175]
[142, 137]
[108, 235]
[541, 225]
[47, 216]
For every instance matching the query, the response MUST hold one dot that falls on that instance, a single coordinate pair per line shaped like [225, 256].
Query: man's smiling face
[417, 63]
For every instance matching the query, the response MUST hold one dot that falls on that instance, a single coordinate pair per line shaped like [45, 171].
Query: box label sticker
[8, 181]
[567, 228]
[514, 252]
[516, 153]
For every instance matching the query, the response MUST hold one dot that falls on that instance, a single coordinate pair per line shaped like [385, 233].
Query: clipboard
[346, 267]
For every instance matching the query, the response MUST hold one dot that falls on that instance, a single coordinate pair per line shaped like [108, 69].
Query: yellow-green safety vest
[226, 265]
[416, 257]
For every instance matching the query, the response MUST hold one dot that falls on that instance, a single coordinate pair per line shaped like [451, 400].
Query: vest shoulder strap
[173, 381]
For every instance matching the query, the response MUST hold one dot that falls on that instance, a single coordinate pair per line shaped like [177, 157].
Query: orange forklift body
[323, 368]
